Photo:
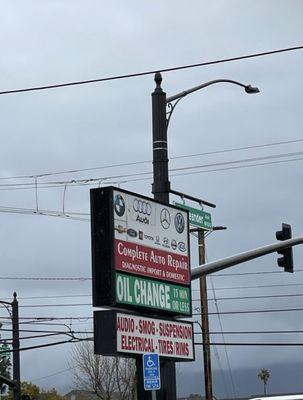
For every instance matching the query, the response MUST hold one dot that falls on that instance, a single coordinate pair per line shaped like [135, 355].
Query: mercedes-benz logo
[179, 222]
[165, 218]
[119, 205]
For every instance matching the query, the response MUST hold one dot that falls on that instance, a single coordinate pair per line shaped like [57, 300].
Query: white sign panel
[138, 335]
[151, 239]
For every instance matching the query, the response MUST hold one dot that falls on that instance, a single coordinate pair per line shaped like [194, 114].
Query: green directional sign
[198, 218]
[142, 292]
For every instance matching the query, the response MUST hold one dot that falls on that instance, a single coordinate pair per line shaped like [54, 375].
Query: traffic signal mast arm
[227, 262]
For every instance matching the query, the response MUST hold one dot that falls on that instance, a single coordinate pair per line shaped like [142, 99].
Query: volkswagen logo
[142, 207]
[119, 205]
[165, 218]
[179, 222]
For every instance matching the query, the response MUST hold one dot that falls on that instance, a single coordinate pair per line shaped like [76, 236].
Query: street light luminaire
[172, 101]
[248, 88]
[251, 89]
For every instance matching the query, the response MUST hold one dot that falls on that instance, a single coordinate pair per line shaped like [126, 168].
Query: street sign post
[199, 218]
[151, 371]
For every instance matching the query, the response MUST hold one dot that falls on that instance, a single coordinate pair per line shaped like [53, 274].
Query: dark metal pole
[160, 189]
[161, 185]
[16, 352]
[204, 321]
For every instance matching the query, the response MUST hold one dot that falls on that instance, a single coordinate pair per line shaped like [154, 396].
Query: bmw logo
[119, 204]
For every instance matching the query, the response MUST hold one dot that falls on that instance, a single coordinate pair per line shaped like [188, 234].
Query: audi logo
[142, 207]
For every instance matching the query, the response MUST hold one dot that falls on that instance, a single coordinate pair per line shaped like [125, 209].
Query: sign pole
[160, 189]
[204, 321]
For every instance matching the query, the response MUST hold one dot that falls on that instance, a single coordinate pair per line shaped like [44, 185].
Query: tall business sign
[140, 256]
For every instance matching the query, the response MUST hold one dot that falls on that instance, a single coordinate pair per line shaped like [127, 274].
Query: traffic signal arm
[240, 258]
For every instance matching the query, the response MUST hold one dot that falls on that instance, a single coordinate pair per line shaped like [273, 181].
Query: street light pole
[161, 185]
[161, 190]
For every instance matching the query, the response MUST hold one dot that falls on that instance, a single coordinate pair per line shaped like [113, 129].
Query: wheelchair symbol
[150, 363]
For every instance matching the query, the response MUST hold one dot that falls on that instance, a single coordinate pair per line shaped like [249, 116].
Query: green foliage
[51, 395]
[36, 393]
[30, 389]
[5, 363]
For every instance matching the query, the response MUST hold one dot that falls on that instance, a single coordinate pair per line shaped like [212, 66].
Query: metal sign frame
[106, 336]
[104, 272]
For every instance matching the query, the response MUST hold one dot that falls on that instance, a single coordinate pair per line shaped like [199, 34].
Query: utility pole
[16, 350]
[204, 321]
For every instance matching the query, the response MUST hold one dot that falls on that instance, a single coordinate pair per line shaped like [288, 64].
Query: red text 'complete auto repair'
[159, 264]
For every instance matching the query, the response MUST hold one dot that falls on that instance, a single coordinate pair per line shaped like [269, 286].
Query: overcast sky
[108, 123]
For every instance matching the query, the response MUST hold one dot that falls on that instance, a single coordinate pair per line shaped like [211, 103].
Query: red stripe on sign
[150, 262]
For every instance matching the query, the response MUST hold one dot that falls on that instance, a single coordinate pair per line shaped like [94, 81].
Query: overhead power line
[56, 296]
[194, 290]
[254, 286]
[269, 296]
[44, 331]
[280, 310]
[51, 375]
[86, 278]
[137, 74]
[51, 320]
[44, 345]
[252, 344]
[254, 332]
[172, 170]
[82, 279]
[55, 305]
[228, 150]
[209, 299]
[252, 273]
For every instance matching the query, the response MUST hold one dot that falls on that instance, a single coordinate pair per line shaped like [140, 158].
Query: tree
[5, 363]
[107, 377]
[35, 393]
[51, 394]
[30, 389]
[264, 375]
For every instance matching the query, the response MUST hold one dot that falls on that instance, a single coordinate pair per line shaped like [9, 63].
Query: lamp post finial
[158, 79]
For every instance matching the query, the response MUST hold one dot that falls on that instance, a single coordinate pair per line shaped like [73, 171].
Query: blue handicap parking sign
[151, 371]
